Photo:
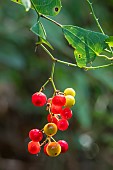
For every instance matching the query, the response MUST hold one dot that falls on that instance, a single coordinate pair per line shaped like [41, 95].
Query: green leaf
[109, 41]
[87, 44]
[46, 7]
[27, 4]
[39, 30]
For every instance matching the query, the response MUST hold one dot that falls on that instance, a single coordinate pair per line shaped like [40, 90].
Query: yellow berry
[53, 149]
[70, 101]
[50, 129]
[69, 91]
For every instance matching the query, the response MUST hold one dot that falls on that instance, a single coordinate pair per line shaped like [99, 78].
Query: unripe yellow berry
[69, 91]
[53, 149]
[70, 101]
[50, 129]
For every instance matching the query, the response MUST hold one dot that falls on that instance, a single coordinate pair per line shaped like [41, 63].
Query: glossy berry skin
[69, 91]
[50, 129]
[64, 145]
[52, 119]
[62, 124]
[59, 100]
[35, 135]
[70, 101]
[56, 109]
[34, 147]
[39, 99]
[53, 149]
[45, 146]
[66, 113]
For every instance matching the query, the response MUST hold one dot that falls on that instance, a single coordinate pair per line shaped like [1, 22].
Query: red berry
[52, 119]
[45, 146]
[66, 113]
[62, 124]
[56, 109]
[59, 100]
[39, 99]
[49, 100]
[35, 135]
[34, 147]
[64, 145]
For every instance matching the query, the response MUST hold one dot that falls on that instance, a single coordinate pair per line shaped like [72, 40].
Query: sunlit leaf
[87, 44]
[109, 41]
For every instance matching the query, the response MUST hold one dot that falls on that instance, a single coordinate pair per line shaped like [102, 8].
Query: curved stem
[97, 67]
[104, 56]
[96, 19]
[35, 9]
[42, 88]
[53, 139]
[49, 19]
[45, 49]
[53, 84]
[52, 71]
[66, 63]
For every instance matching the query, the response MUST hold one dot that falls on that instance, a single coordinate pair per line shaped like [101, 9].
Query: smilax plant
[87, 45]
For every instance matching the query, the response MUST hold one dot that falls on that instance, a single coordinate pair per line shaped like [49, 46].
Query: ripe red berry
[39, 99]
[49, 100]
[56, 109]
[35, 135]
[62, 124]
[59, 100]
[45, 146]
[66, 113]
[34, 147]
[52, 119]
[64, 145]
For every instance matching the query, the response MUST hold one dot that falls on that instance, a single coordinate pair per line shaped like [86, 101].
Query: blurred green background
[23, 71]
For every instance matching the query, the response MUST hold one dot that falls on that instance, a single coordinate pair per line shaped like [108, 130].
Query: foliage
[21, 70]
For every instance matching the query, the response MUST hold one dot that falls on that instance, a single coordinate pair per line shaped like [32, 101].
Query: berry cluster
[59, 114]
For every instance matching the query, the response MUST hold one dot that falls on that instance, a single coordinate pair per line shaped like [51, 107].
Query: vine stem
[53, 69]
[53, 139]
[66, 63]
[96, 19]
[35, 9]
[49, 19]
[42, 88]
[57, 60]
[48, 52]
[51, 78]
[97, 67]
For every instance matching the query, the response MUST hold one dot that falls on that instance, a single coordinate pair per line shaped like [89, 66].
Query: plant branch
[104, 56]
[42, 88]
[66, 63]
[35, 9]
[95, 18]
[52, 71]
[97, 67]
[46, 50]
[51, 20]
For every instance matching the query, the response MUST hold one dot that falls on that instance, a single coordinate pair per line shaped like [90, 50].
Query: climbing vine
[87, 46]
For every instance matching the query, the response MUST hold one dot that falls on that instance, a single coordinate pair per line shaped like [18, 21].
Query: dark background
[23, 71]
